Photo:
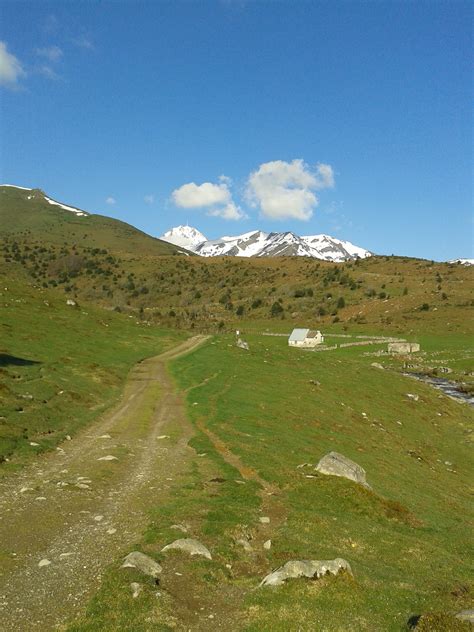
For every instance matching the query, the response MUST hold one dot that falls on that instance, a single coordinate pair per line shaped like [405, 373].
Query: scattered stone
[264, 519]
[68, 438]
[109, 457]
[245, 544]
[335, 464]
[412, 396]
[111, 531]
[163, 437]
[305, 568]
[267, 545]
[136, 589]
[83, 486]
[26, 489]
[33, 443]
[98, 518]
[466, 615]
[377, 365]
[315, 382]
[44, 562]
[63, 555]
[242, 344]
[304, 465]
[40, 498]
[142, 563]
[189, 545]
[180, 527]
[105, 436]
[71, 302]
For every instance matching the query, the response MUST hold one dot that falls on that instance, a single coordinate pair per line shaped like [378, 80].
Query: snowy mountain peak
[257, 243]
[184, 236]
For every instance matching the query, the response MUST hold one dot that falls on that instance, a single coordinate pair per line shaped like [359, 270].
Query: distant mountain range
[260, 244]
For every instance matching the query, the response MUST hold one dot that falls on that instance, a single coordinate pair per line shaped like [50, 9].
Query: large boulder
[335, 464]
[142, 563]
[189, 545]
[305, 568]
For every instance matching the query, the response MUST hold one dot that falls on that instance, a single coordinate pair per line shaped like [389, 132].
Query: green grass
[61, 366]
[407, 540]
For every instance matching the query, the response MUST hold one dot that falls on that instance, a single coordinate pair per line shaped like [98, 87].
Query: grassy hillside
[60, 365]
[259, 417]
[26, 213]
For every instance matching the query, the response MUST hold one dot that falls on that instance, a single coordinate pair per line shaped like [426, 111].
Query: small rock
[68, 438]
[26, 489]
[377, 365]
[264, 519]
[267, 545]
[163, 437]
[466, 615]
[83, 486]
[109, 457]
[143, 563]
[412, 396]
[189, 545]
[111, 531]
[136, 589]
[105, 436]
[44, 562]
[245, 544]
[40, 498]
[98, 518]
[242, 344]
[335, 464]
[33, 443]
[180, 527]
[63, 555]
[305, 568]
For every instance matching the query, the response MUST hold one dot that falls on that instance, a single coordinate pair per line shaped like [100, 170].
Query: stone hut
[305, 338]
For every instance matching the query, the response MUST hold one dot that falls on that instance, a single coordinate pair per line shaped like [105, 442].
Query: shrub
[425, 307]
[240, 310]
[341, 302]
[276, 309]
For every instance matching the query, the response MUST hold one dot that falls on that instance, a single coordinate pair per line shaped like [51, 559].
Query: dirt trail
[79, 512]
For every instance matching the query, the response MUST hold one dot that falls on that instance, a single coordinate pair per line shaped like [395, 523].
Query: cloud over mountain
[216, 198]
[285, 190]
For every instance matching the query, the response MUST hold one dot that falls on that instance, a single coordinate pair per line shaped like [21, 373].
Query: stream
[447, 387]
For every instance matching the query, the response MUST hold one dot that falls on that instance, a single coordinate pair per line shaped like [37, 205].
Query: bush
[425, 307]
[240, 310]
[276, 309]
[257, 302]
[341, 302]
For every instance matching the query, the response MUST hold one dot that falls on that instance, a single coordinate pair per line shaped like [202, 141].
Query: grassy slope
[81, 357]
[38, 219]
[407, 541]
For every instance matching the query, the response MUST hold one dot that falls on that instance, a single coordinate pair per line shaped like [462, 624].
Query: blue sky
[347, 118]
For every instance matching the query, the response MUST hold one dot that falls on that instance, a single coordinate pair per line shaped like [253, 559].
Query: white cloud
[11, 70]
[149, 199]
[111, 200]
[51, 53]
[325, 176]
[48, 72]
[229, 211]
[83, 42]
[283, 190]
[194, 195]
[217, 198]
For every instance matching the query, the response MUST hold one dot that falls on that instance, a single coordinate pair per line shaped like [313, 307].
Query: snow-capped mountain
[259, 244]
[185, 237]
[463, 262]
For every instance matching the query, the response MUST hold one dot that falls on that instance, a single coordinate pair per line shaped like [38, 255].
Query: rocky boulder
[306, 568]
[188, 545]
[142, 563]
[335, 464]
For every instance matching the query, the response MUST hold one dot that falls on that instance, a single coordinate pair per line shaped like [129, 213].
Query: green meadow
[61, 365]
[262, 419]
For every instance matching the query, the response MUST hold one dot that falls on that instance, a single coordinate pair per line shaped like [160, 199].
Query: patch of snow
[185, 237]
[65, 207]
[15, 186]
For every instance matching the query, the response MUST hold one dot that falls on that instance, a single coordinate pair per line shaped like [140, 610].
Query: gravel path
[65, 518]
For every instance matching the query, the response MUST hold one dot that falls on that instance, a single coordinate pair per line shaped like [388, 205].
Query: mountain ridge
[258, 243]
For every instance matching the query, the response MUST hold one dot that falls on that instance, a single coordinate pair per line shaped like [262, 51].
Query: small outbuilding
[305, 338]
[403, 347]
